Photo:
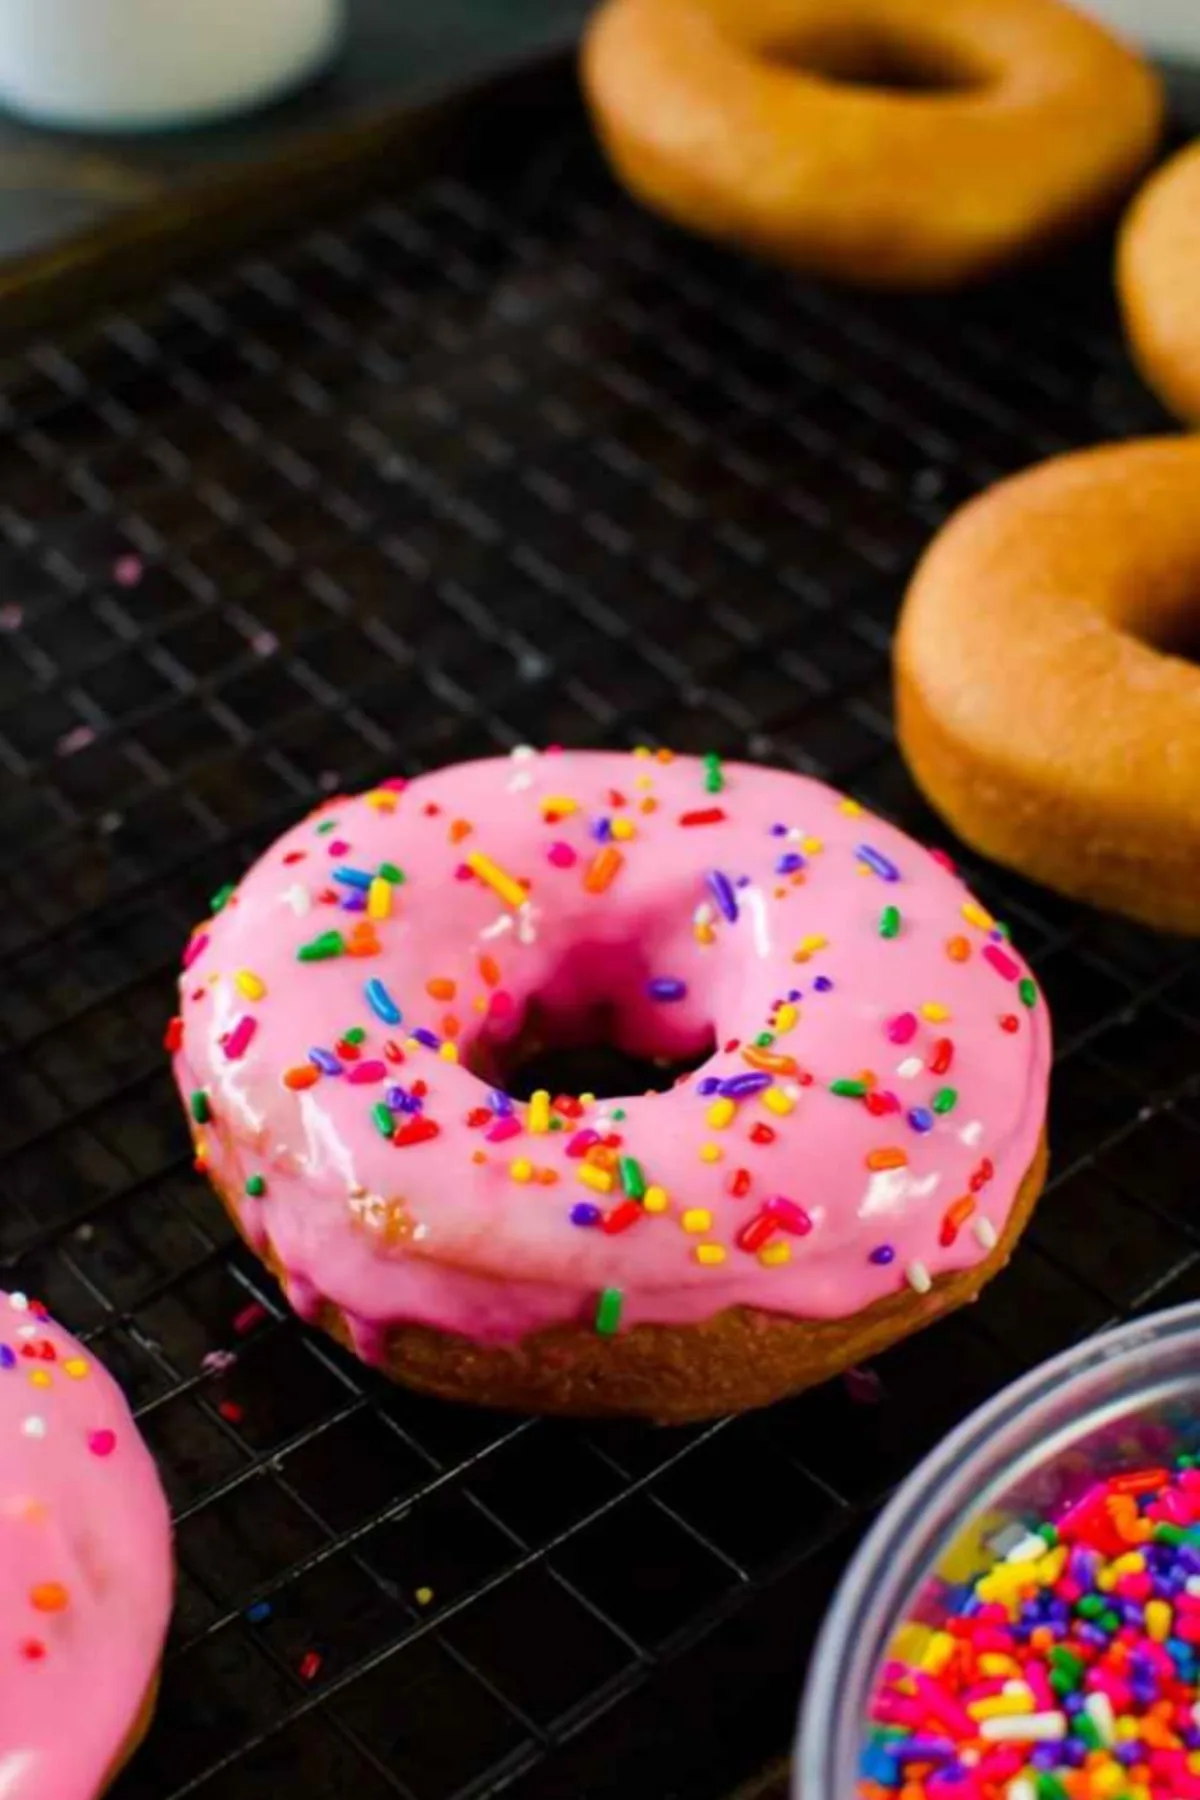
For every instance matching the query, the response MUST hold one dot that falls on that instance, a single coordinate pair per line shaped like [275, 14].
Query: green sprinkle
[381, 1118]
[201, 1110]
[608, 1311]
[1091, 1605]
[849, 1090]
[619, 1114]
[256, 1187]
[1004, 930]
[325, 827]
[391, 873]
[1167, 1534]
[356, 1035]
[945, 1100]
[1049, 1532]
[764, 1040]
[632, 1180]
[1027, 990]
[889, 922]
[1084, 1727]
[1049, 1787]
[330, 943]
[1109, 1621]
[714, 780]
[223, 896]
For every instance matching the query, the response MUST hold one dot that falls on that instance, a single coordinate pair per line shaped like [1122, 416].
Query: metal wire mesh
[490, 459]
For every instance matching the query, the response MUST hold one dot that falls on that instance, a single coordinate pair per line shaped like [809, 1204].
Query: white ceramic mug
[1164, 27]
[142, 65]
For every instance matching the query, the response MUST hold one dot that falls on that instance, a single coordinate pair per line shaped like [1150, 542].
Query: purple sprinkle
[721, 889]
[324, 1060]
[8, 1358]
[779, 831]
[400, 1100]
[354, 902]
[743, 881]
[789, 862]
[430, 1040]
[877, 863]
[822, 984]
[499, 1102]
[666, 987]
[882, 1254]
[601, 830]
[584, 1213]
[920, 1118]
[795, 994]
[740, 1087]
[708, 1084]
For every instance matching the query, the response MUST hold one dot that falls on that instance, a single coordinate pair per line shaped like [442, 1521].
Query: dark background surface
[484, 455]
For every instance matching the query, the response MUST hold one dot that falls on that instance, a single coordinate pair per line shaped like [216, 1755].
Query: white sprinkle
[1196, 1713]
[27, 1331]
[912, 1065]
[19, 1302]
[1029, 1548]
[1192, 1584]
[985, 1231]
[522, 757]
[498, 926]
[918, 1277]
[796, 833]
[756, 905]
[1024, 1728]
[1020, 1789]
[703, 914]
[971, 1133]
[298, 898]
[1098, 1708]
[34, 1426]
[526, 924]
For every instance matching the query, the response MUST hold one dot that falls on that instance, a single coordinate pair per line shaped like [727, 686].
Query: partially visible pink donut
[859, 1149]
[85, 1566]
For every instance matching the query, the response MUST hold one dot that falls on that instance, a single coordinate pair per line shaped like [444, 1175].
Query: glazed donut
[85, 1566]
[857, 1152]
[1158, 277]
[740, 119]
[1044, 698]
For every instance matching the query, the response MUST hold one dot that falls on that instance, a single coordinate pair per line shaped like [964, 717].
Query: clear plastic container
[1128, 1397]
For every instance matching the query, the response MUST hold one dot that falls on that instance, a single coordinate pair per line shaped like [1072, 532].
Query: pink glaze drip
[85, 1564]
[687, 934]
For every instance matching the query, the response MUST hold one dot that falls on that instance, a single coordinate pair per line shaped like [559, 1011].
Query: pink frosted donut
[857, 1151]
[85, 1566]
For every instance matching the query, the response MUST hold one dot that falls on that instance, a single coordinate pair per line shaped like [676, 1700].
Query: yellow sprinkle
[937, 1652]
[39, 1378]
[510, 891]
[423, 1596]
[1048, 1568]
[1132, 1563]
[597, 1178]
[643, 781]
[521, 1169]
[250, 984]
[994, 1665]
[1158, 1621]
[539, 1111]
[773, 1256]
[814, 941]
[587, 1099]
[935, 1012]
[785, 1018]
[1002, 1706]
[710, 1254]
[711, 1153]
[975, 914]
[1126, 1728]
[448, 1051]
[812, 846]
[642, 750]
[654, 1200]
[696, 1219]
[75, 1367]
[559, 803]
[851, 808]
[622, 829]
[1105, 1582]
[721, 1113]
[776, 1101]
[379, 899]
[382, 799]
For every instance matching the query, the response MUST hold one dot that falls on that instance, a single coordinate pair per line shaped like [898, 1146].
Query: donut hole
[870, 56]
[597, 1068]
[1168, 622]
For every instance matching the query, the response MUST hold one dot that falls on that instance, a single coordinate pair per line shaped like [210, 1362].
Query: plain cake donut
[1158, 279]
[1046, 700]
[993, 127]
[856, 1151]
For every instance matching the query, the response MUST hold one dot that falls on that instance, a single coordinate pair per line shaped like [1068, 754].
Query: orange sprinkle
[664, 756]
[49, 1596]
[957, 949]
[451, 1025]
[649, 805]
[303, 1075]
[441, 988]
[479, 1156]
[774, 1062]
[363, 941]
[489, 970]
[955, 1217]
[892, 1157]
[603, 869]
[460, 829]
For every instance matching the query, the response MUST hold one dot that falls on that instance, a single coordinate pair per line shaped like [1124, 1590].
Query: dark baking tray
[482, 455]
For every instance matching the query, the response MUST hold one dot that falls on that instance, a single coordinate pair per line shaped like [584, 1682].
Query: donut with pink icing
[85, 1566]
[855, 1150]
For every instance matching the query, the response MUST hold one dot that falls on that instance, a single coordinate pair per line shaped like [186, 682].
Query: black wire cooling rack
[486, 458]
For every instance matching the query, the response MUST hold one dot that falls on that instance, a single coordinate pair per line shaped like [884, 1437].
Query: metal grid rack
[493, 458]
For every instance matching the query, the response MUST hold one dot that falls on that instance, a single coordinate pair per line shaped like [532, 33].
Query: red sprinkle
[942, 1057]
[310, 1665]
[756, 1231]
[739, 1183]
[762, 1134]
[173, 1036]
[622, 1217]
[707, 815]
[416, 1131]
[229, 1409]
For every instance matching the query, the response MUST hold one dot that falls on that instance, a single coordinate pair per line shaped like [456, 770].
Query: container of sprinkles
[1023, 1623]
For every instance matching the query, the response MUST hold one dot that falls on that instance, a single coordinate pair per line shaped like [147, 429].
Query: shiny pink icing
[85, 1564]
[605, 876]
